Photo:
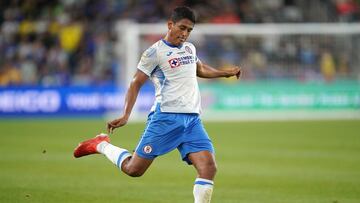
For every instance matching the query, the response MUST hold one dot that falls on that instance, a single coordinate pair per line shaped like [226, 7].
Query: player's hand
[234, 71]
[239, 72]
[112, 125]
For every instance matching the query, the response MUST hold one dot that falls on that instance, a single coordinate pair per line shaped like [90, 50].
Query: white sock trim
[202, 181]
[122, 157]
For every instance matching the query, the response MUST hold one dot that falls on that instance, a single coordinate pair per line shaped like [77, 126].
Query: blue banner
[68, 101]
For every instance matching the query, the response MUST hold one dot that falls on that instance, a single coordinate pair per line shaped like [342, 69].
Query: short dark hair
[181, 13]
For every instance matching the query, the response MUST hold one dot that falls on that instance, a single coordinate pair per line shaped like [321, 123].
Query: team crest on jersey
[187, 48]
[147, 149]
[174, 62]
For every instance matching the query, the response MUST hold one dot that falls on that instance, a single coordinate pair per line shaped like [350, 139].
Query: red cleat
[89, 146]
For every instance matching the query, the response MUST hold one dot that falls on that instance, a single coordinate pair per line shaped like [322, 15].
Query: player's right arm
[138, 80]
[146, 65]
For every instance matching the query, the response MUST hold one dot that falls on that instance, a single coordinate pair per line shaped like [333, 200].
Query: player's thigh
[161, 135]
[195, 139]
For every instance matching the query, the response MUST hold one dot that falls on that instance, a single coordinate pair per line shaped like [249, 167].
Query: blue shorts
[166, 131]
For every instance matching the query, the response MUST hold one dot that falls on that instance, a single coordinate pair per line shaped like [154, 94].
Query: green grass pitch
[258, 162]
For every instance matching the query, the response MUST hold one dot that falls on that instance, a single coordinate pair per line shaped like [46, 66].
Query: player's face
[180, 31]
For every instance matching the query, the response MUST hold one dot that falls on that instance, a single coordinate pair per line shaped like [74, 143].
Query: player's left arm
[205, 71]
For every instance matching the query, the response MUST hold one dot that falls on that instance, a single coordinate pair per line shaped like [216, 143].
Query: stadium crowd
[71, 42]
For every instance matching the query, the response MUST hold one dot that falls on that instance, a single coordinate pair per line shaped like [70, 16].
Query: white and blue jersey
[174, 120]
[172, 69]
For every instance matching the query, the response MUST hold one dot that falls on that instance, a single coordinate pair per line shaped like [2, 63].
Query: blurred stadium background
[71, 60]
[75, 58]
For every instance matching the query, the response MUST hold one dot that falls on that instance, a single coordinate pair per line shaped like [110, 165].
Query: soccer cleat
[89, 146]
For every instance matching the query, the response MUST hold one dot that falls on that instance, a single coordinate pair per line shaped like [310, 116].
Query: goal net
[287, 67]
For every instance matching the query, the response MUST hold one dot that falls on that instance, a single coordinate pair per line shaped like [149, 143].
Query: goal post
[324, 56]
[129, 34]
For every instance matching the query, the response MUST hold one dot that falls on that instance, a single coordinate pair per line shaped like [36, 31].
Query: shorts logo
[147, 149]
[174, 62]
[188, 50]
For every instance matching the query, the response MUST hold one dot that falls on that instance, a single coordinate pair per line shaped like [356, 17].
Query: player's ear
[170, 24]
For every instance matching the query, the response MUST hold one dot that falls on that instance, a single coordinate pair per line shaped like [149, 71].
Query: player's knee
[213, 168]
[133, 172]
[208, 169]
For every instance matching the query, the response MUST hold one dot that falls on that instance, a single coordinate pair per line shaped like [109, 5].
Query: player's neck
[171, 42]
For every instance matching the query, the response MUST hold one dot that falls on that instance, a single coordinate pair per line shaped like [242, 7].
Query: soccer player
[174, 122]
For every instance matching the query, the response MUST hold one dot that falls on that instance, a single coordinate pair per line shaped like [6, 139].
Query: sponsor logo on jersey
[187, 48]
[184, 60]
[169, 53]
[147, 149]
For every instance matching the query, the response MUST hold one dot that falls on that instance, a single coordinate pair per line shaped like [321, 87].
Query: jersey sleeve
[197, 59]
[148, 61]
[193, 49]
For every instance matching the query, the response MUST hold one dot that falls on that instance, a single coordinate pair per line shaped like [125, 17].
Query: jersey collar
[170, 45]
